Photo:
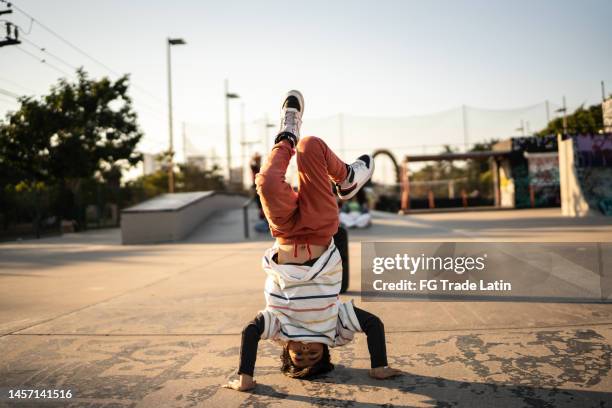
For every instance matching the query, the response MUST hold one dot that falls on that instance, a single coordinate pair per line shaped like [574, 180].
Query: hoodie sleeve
[271, 325]
[347, 324]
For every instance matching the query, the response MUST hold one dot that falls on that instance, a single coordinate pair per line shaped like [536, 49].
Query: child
[355, 213]
[303, 311]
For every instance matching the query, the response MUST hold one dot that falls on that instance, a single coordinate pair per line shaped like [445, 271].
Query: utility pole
[604, 129]
[228, 139]
[184, 143]
[547, 112]
[465, 127]
[242, 138]
[267, 125]
[169, 43]
[564, 110]
[12, 31]
[522, 128]
[564, 117]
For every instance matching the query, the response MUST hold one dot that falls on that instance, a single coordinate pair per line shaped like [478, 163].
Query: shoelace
[359, 163]
[290, 119]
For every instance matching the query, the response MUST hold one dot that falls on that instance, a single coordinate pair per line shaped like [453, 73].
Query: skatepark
[159, 325]
[210, 204]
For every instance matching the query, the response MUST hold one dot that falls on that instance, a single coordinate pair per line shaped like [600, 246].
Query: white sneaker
[291, 117]
[360, 172]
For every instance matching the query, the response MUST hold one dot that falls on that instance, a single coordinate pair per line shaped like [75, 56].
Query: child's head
[303, 360]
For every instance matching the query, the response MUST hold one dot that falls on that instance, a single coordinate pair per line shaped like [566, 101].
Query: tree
[473, 175]
[583, 120]
[193, 178]
[80, 130]
[25, 144]
[189, 178]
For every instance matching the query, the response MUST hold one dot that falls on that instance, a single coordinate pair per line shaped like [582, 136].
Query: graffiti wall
[543, 169]
[593, 150]
[534, 144]
[593, 158]
[535, 171]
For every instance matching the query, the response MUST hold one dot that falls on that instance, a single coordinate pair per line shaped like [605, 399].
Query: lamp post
[267, 125]
[228, 140]
[169, 43]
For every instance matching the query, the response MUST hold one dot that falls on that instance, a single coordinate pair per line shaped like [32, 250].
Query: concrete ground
[159, 325]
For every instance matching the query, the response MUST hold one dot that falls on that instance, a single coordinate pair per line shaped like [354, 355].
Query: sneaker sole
[357, 186]
[299, 97]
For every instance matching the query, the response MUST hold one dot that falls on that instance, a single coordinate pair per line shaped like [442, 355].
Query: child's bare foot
[380, 373]
[244, 383]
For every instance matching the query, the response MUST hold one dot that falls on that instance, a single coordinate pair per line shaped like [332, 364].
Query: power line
[78, 49]
[17, 85]
[66, 63]
[43, 61]
[44, 50]
[59, 37]
[5, 99]
[8, 93]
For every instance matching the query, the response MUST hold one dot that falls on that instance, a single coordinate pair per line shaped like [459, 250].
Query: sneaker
[359, 172]
[291, 117]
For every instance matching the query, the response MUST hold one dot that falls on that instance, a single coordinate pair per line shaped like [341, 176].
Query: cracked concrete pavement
[159, 325]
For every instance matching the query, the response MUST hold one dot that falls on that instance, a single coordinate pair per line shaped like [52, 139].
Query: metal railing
[245, 216]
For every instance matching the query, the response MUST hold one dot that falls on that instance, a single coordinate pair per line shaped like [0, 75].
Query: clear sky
[372, 58]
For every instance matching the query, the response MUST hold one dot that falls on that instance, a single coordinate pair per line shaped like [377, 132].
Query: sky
[374, 59]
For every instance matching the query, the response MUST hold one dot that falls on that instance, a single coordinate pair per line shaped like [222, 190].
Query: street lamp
[170, 42]
[228, 141]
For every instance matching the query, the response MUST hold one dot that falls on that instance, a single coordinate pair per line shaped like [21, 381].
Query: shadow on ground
[433, 391]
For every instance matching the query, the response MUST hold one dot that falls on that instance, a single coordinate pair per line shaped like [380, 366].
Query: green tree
[189, 178]
[193, 178]
[78, 131]
[472, 175]
[583, 120]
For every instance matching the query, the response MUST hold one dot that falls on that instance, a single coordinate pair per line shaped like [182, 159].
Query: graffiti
[593, 158]
[593, 150]
[543, 169]
[534, 144]
[520, 174]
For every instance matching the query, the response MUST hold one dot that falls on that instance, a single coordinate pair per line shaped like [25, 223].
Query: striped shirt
[303, 304]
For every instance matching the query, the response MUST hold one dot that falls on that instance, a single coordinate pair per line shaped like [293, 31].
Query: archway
[388, 153]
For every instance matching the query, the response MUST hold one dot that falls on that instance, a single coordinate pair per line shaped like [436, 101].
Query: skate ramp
[172, 217]
[585, 178]
[228, 226]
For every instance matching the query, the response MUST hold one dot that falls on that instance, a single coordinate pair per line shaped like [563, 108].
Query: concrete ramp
[172, 217]
[585, 178]
[573, 201]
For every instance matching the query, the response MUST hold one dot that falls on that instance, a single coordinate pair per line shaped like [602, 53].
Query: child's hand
[244, 383]
[380, 373]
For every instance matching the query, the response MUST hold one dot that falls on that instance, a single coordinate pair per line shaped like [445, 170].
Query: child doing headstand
[304, 268]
